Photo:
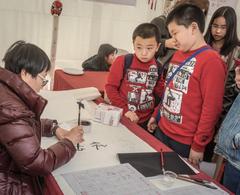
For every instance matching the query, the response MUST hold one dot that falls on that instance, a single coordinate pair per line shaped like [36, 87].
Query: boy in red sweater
[134, 89]
[193, 98]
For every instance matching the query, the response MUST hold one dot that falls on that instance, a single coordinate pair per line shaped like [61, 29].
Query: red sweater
[135, 91]
[193, 100]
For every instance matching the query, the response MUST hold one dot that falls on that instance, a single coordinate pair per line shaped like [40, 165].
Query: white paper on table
[114, 140]
[118, 140]
[62, 105]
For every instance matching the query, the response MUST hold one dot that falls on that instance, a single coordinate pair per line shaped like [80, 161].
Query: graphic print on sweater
[141, 85]
[173, 96]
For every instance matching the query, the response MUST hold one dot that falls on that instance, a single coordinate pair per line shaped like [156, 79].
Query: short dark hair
[186, 14]
[146, 30]
[231, 37]
[26, 56]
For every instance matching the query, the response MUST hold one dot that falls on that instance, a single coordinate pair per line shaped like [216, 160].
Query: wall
[215, 4]
[83, 25]
[238, 17]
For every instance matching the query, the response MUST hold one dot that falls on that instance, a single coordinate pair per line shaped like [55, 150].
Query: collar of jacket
[35, 102]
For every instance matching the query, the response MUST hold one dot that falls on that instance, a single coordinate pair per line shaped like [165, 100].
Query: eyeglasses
[221, 27]
[44, 81]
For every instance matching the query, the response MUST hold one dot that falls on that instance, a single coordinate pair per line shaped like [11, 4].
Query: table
[51, 184]
[64, 81]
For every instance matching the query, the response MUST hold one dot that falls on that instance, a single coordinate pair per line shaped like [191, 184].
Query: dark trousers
[144, 126]
[231, 179]
[209, 151]
[181, 149]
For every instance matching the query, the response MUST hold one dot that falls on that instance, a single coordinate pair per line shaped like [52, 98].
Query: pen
[79, 122]
[162, 160]
[195, 179]
[196, 182]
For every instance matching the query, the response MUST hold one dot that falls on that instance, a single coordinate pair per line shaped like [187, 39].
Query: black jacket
[95, 63]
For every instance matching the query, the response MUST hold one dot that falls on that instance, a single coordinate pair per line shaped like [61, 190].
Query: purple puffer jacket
[23, 162]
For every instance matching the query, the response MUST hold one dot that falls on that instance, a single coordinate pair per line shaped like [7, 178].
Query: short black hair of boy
[202, 4]
[26, 56]
[186, 14]
[146, 30]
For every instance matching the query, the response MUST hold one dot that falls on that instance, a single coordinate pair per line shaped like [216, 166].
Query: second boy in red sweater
[193, 99]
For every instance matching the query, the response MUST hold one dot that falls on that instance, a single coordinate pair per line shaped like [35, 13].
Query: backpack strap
[128, 58]
[160, 67]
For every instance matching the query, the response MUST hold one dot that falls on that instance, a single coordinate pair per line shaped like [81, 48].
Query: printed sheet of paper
[118, 180]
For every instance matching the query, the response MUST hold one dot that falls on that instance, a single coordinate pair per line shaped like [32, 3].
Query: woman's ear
[23, 73]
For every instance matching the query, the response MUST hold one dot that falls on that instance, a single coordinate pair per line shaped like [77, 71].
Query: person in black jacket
[102, 60]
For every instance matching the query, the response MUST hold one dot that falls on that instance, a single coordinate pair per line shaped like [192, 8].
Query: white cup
[86, 125]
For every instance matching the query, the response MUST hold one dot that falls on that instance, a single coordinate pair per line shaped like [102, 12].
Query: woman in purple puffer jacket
[23, 163]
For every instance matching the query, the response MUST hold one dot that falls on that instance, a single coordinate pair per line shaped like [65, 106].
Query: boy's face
[145, 49]
[184, 37]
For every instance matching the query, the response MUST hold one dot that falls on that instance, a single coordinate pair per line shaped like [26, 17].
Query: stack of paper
[107, 114]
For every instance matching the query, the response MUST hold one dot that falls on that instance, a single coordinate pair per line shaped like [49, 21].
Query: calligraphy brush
[79, 119]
